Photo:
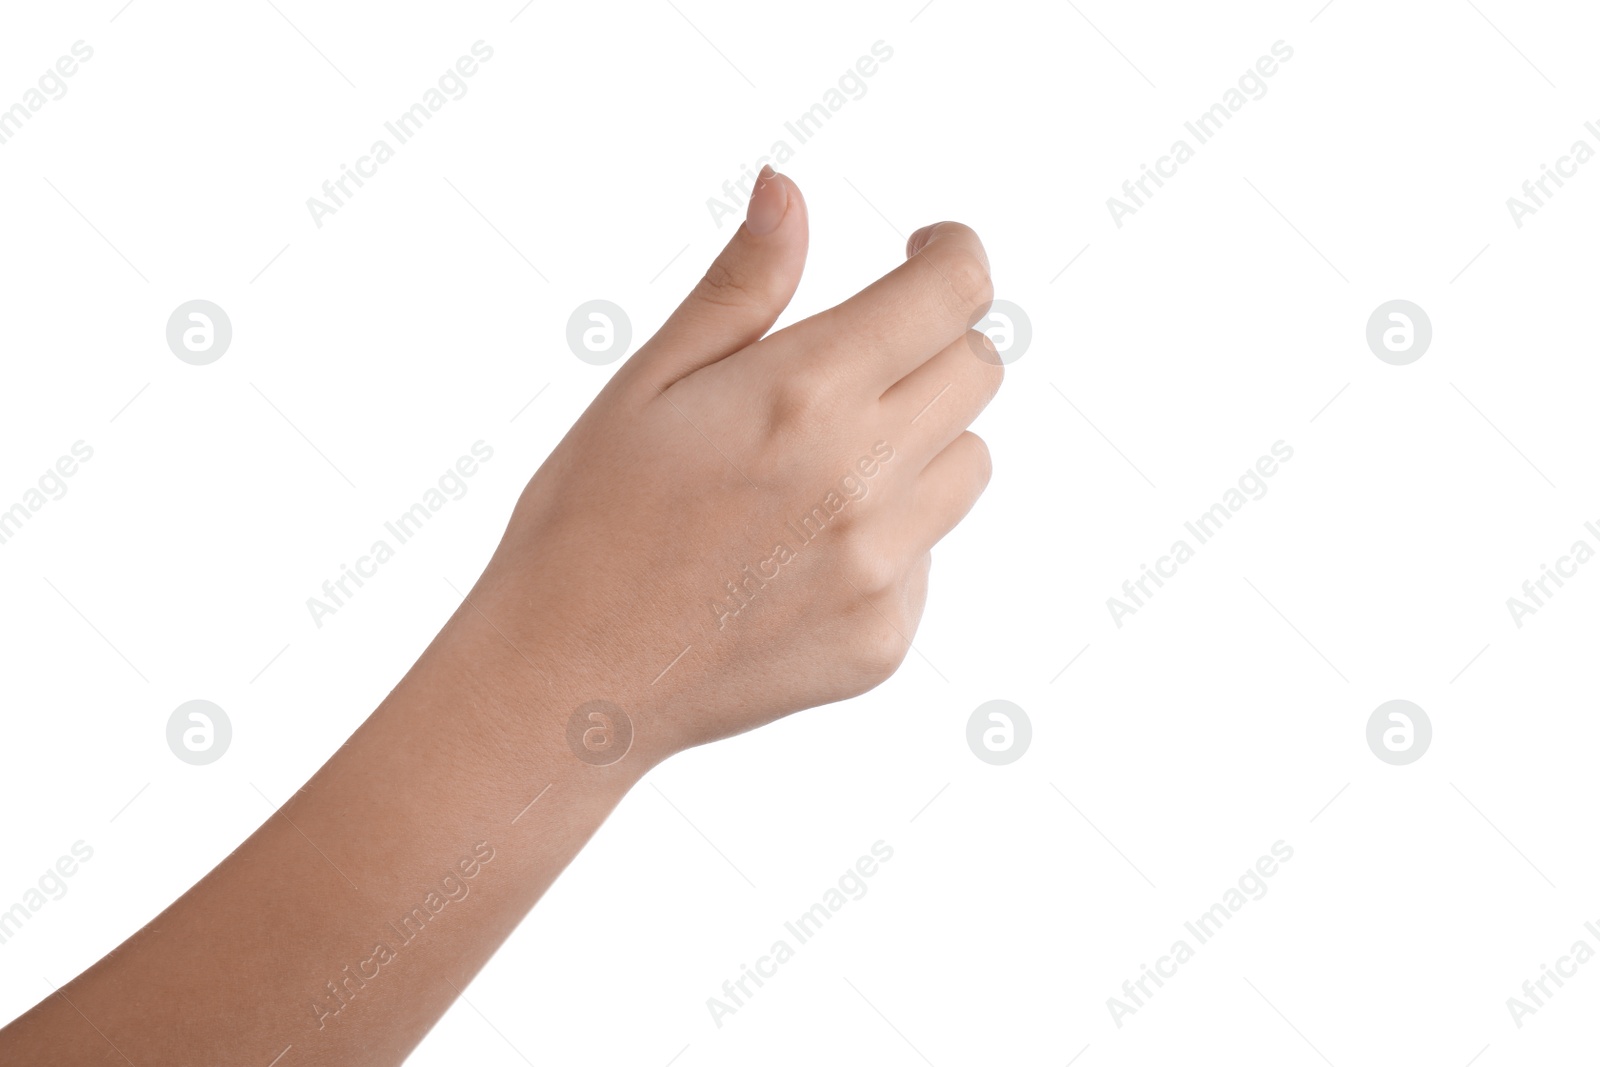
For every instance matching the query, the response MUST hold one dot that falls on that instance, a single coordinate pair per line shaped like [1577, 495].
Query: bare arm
[737, 528]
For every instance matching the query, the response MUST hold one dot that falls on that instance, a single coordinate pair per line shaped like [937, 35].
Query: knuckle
[971, 288]
[880, 649]
[800, 397]
[982, 461]
[991, 369]
[869, 569]
[844, 515]
[721, 287]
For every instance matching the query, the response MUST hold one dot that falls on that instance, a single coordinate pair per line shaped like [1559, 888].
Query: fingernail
[768, 204]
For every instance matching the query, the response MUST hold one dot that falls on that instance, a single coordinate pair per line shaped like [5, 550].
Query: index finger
[905, 318]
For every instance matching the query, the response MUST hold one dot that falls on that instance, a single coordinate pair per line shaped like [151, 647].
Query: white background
[1221, 318]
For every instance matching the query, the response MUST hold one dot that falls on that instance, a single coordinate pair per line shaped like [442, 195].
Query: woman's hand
[739, 526]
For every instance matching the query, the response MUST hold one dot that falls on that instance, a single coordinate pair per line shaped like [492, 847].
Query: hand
[738, 527]
[763, 505]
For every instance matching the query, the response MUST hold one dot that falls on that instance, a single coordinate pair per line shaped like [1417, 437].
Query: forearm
[348, 922]
[740, 526]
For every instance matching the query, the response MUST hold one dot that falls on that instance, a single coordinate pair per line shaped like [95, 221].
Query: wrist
[541, 702]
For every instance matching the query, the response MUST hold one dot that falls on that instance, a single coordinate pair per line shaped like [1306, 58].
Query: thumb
[744, 290]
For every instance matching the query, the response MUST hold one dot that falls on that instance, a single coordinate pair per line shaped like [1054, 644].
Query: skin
[699, 458]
